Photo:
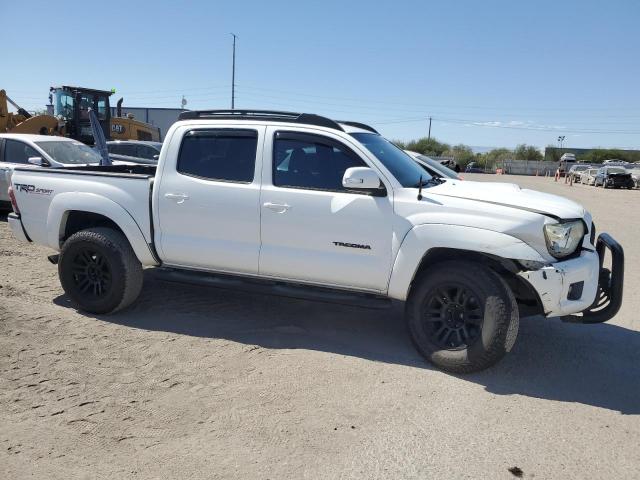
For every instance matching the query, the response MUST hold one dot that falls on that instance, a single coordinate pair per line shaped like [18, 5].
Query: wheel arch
[427, 245]
[74, 211]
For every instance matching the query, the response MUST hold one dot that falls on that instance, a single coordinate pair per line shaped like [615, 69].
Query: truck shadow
[596, 365]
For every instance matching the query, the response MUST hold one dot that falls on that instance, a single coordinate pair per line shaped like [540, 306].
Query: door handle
[177, 197]
[277, 207]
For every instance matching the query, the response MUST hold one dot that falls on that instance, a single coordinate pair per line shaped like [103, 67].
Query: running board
[273, 287]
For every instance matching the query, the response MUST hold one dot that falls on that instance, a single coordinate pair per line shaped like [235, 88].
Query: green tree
[462, 154]
[527, 152]
[427, 146]
[494, 157]
[599, 155]
[400, 144]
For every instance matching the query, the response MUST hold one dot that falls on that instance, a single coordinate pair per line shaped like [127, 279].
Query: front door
[313, 229]
[207, 201]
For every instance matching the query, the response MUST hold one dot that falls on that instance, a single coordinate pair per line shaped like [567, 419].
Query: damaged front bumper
[581, 290]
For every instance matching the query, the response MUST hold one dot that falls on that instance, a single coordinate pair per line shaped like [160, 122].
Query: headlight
[563, 238]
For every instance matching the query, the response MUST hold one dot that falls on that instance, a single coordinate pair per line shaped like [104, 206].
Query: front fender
[64, 203]
[422, 238]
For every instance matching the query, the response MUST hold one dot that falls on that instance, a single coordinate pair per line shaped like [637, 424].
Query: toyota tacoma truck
[302, 205]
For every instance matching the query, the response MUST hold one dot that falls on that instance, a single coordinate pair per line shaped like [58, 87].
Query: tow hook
[53, 258]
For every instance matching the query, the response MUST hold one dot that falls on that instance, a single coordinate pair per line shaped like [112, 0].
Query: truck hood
[511, 195]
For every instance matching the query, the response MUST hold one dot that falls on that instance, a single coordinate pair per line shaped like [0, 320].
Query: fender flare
[422, 238]
[66, 202]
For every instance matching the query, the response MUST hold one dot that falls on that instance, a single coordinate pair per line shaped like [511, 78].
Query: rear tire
[462, 316]
[99, 271]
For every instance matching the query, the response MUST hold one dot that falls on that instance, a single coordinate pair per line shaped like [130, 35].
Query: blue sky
[490, 73]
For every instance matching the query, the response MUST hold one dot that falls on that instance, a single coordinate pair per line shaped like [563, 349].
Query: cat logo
[117, 128]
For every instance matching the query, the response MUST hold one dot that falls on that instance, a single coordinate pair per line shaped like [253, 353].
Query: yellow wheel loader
[72, 104]
[23, 122]
[69, 116]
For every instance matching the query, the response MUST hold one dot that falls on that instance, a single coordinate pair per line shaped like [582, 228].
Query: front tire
[99, 271]
[462, 316]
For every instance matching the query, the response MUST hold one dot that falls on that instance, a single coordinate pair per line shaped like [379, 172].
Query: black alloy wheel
[99, 270]
[462, 316]
[91, 273]
[452, 316]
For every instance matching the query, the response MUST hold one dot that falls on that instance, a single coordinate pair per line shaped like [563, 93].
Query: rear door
[313, 229]
[13, 153]
[207, 199]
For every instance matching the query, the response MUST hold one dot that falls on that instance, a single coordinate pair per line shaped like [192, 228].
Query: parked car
[301, 205]
[431, 166]
[575, 172]
[134, 151]
[635, 175]
[588, 177]
[616, 177]
[19, 149]
[473, 167]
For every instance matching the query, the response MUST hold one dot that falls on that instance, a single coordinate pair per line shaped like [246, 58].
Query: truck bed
[46, 195]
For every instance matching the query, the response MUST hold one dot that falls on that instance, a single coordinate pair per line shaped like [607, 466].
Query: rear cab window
[227, 155]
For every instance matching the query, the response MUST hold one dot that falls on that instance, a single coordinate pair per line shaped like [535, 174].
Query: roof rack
[363, 126]
[272, 115]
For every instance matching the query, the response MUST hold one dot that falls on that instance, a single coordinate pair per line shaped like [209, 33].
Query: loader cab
[73, 104]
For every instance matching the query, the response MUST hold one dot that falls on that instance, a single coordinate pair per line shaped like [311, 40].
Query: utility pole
[429, 128]
[233, 74]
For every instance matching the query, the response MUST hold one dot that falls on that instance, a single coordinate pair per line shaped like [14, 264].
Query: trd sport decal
[21, 187]
[352, 245]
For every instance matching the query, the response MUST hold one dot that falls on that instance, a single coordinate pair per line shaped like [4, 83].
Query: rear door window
[225, 155]
[129, 150]
[145, 151]
[18, 152]
[115, 148]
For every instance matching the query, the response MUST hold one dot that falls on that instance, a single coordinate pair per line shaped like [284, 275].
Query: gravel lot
[206, 383]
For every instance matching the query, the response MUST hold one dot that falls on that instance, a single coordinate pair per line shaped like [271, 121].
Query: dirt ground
[205, 383]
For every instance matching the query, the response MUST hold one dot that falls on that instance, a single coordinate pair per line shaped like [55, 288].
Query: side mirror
[156, 157]
[38, 161]
[363, 178]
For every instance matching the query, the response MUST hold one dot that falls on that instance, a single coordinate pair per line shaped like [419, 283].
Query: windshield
[64, 105]
[616, 170]
[401, 165]
[70, 152]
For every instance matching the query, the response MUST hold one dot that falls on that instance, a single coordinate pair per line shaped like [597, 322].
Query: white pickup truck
[301, 205]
